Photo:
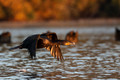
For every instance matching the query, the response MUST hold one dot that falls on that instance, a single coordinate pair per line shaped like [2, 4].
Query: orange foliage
[2, 15]
[56, 9]
[20, 16]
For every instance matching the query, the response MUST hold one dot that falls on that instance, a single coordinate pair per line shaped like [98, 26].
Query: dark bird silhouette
[117, 34]
[45, 40]
[72, 36]
[5, 37]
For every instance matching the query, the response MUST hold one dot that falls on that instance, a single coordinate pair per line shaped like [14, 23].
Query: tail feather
[14, 47]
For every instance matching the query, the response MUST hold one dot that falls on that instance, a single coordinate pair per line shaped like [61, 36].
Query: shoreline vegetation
[75, 23]
[59, 13]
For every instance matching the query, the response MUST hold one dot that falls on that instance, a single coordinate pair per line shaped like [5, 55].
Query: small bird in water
[72, 36]
[5, 37]
[45, 40]
[117, 34]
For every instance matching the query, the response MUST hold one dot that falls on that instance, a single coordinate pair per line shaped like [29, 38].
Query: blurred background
[57, 11]
[89, 23]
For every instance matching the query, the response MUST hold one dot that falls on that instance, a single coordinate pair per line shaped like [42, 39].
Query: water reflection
[96, 56]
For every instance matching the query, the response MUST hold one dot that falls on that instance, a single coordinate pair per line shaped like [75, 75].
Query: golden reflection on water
[95, 56]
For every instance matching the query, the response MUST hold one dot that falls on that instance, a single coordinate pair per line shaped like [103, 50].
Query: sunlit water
[95, 57]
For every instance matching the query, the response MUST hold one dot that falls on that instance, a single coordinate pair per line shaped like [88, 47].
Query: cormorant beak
[70, 43]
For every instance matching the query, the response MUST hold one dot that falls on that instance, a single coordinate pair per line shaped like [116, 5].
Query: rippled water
[95, 56]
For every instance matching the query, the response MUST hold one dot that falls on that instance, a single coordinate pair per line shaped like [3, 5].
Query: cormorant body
[45, 40]
[117, 34]
[5, 37]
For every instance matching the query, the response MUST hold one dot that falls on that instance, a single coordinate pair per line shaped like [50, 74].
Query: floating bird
[117, 34]
[45, 40]
[72, 36]
[5, 37]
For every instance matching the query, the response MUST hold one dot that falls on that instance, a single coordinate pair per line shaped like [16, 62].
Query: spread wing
[54, 49]
[56, 52]
[31, 44]
[38, 41]
[51, 35]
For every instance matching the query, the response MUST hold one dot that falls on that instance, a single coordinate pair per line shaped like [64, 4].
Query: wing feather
[51, 35]
[56, 52]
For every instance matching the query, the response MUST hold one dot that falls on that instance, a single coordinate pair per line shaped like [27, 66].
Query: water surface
[95, 57]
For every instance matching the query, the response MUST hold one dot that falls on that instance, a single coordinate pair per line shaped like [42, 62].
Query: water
[95, 57]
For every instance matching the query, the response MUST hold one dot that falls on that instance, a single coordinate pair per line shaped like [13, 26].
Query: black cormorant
[117, 34]
[72, 36]
[45, 40]
[5, 37]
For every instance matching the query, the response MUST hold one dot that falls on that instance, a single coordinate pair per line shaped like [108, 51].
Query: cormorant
[5, 37]
[117, 34]
[72, 36]
[45, 40]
